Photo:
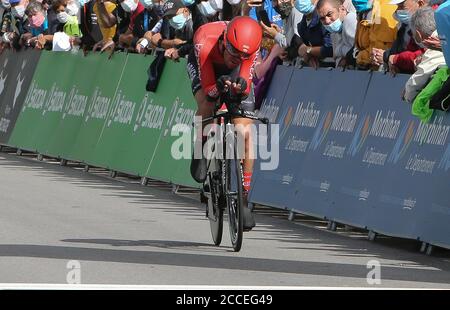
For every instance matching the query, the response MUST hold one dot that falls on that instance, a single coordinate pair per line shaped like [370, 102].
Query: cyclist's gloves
[243, 84]
[221, 83]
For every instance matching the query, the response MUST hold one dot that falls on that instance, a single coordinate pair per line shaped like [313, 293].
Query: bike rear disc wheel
[215, 211]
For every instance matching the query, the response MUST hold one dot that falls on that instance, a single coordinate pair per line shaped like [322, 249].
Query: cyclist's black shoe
[249, 221]
[198, 169]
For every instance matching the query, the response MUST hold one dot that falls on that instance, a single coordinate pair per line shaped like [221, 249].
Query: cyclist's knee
[204, 107]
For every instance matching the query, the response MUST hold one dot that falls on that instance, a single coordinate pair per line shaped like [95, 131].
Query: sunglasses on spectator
[235, 53]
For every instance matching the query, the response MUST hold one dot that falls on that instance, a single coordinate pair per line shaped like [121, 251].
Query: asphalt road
[120, 232]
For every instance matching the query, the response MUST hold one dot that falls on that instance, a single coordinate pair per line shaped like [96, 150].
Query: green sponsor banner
[96, 110]
[107, 75]
[86, 70]
[167, 163]
[149, 113]
[132, 128]
[44, 103]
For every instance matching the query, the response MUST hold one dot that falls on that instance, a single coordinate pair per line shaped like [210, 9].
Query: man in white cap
[401, 57]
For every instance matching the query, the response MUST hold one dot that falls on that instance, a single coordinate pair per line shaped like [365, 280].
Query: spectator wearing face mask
[106, 12]
[68, 24]
[135, 10]
[37, 18]
[341, 24]
[401, 57]
[376, 29]
[20, 31]
[288, 36]
[144, 23]
[176, 30]
[317, 47]
[66, 14]
[423, 27]
[180, 20]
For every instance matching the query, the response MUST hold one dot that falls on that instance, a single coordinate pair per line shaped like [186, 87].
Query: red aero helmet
[244, 34]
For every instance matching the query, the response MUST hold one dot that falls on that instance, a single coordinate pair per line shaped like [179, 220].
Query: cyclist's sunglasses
[235, 53]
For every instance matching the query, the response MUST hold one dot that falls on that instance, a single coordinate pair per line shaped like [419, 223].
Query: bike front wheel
[235, 203]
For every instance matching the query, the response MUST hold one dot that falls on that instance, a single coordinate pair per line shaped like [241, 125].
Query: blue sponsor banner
[317, 183]
[433, 165]
[273, 109]
[375, 151]
[351, 151]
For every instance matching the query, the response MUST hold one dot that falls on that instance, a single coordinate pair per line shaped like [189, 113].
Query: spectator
[143, 23]
[5, 25]
[376, 28]
[90, 29]
[180, 20]
[19, 31]
[66, 14]
[252, 6]
[231, 9]
[290, 17]
[317, 45]
[401, 56]
[286, 37]
[136, 11]
[158, 8]
[61, 42]
[210, 9]
[341, 24]
[106, 12]
[423, 27]
[37, 18]
[52, 20]
[176, 28]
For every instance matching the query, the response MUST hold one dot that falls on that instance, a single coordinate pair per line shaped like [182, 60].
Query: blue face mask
[178, 21]
[188, 2]
[335, 26]
[361, 5]
[304, 6]
[402, 16]
[83, 2]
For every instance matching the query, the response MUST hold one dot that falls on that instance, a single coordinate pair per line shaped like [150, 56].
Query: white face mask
[129, 6]
[72, 8]
[233, 2]
[206, 9]
[148, 4]
[18, 11]
[62, 17]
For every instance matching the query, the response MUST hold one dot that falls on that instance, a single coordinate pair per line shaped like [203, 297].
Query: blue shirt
[274, 17]
[37, 31]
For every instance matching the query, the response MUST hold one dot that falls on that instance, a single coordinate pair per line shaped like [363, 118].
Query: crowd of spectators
[396, 36]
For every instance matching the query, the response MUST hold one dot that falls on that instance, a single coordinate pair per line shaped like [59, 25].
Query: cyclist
[223, 59]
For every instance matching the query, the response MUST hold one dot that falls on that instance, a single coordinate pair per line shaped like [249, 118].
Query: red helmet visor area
[234, 52]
